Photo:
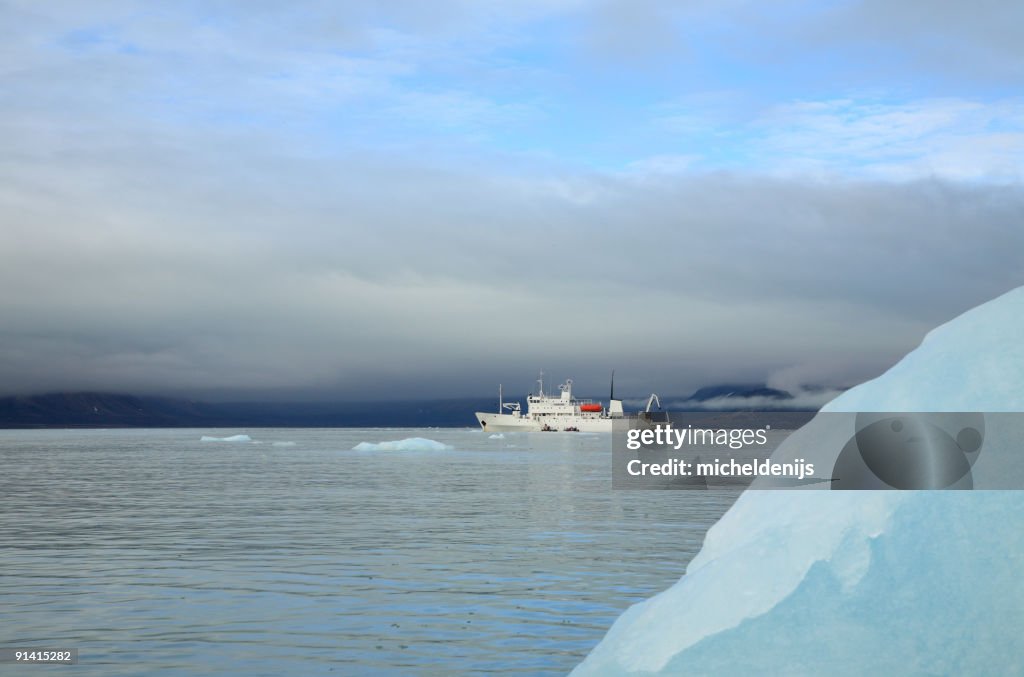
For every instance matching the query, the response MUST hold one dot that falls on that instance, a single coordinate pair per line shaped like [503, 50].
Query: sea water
[288, 551]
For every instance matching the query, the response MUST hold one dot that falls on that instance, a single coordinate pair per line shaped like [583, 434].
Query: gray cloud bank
[161, 238]
[355, 277]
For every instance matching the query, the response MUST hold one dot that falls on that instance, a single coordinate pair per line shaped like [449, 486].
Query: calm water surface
[155, 553]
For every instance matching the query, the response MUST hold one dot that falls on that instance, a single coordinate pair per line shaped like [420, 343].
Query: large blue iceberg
[887, 582]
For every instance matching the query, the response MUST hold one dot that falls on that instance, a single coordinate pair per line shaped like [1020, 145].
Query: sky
[393, 200]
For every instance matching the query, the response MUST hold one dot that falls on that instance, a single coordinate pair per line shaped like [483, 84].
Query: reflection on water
[151, 551]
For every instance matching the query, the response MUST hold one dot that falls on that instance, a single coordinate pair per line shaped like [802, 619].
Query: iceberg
[232, 438]
[408, 444]
[892, 582]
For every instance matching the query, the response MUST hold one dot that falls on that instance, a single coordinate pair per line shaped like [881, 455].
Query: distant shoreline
[87, 410]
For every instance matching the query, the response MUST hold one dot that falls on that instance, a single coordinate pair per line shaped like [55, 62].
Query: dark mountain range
[103, 410]
[100, 410]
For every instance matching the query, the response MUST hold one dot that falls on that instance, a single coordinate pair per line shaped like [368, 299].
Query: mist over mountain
[732, 390]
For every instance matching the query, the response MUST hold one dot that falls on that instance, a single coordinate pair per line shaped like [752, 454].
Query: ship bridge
[564, 404]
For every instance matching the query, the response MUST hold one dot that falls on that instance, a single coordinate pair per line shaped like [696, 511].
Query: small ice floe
[497, 436]
[408, 444]
[284, 444]
[232, 438]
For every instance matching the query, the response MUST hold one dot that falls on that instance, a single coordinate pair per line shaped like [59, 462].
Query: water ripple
[155, 553]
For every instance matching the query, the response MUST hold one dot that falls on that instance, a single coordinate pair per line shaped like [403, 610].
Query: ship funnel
[614, 405]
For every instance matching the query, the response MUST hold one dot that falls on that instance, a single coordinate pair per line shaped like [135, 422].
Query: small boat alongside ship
[565, 413]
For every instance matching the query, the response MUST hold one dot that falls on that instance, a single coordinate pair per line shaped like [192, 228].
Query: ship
[564, 413]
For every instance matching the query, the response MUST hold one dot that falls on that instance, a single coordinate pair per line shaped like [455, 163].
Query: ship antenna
[499, 398]
[611, 395]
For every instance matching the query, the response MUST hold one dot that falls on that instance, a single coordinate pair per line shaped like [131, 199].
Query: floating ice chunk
[232, 438]
[284, 444]
[496, 436]
[886, 582]
[408, 444]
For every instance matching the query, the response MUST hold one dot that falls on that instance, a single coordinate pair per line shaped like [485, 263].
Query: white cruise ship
[565, 413]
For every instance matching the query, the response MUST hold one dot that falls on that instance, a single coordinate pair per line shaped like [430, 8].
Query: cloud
[637, 32]
[175, 267]
[953, 138]
[364, 202]
[983, 36]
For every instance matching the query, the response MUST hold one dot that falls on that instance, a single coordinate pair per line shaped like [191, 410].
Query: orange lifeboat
[590, 407]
